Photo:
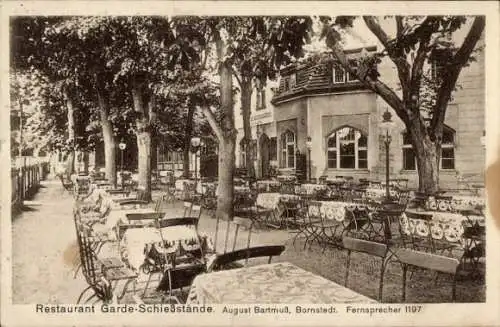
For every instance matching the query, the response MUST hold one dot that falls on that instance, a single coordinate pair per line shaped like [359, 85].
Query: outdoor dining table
[377, 193]
[310, 188]
[455, 202]
[442, 226]
[136, 241]
[281, 282]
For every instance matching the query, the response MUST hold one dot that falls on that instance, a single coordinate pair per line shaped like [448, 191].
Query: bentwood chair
[67, 184]
[102, 274]
[325, 231]
[424, 260]
[378, 250]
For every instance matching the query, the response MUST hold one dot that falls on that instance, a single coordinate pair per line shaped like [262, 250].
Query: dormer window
[293, 81]
[351, 77]
[339, 75]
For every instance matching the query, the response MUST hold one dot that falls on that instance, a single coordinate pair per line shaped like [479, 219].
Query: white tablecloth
[333, 210]
[273, 283]
[443, 226]
[310, 188]
[457, 202]
[135, 240]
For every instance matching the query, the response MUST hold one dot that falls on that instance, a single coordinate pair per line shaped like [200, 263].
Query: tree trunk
[71, 133]
[86, 162]
[226, 134]
[109, 140]
[246, 103]
[227, 138]
[144, 147]
[226, 172]
[143, 135]
[154, 158]
[427, 165]
[187, 140]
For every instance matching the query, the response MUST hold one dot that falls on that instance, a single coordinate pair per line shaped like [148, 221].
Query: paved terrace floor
[44, 251]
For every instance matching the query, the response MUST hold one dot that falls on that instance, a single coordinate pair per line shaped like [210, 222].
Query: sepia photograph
[254, 165]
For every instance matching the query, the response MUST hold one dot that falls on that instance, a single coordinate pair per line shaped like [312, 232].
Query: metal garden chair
[372, 248]
[424, 260]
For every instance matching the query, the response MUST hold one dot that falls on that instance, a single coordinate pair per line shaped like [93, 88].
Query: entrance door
[264, 155]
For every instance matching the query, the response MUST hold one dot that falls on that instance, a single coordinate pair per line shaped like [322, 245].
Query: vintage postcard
[250, 163]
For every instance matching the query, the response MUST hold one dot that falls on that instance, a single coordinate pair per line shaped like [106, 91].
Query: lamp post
[195, 145]
[386, 126]
[309, 146]
[122, 145]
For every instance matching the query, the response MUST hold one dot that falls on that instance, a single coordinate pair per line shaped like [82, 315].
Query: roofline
[295, 65]
[322, 91]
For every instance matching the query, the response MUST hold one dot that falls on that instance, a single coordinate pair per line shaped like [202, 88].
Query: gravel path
[43, 246]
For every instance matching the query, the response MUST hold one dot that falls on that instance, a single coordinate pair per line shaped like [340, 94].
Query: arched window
[447, 160]
[287, 149]
[347, 148]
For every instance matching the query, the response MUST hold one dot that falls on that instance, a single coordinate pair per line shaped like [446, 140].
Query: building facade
[321, 102]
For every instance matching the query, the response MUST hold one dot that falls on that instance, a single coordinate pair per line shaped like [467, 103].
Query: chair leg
[91, 297]
[147, 284]
[347, 267]
[454, 289]
[381, 282]
[405, 269]
[81, 294]
[77, 270]
[124, 289]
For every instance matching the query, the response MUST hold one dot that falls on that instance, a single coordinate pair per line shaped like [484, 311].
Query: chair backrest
[66, 183]
[364, 246]
[418, 215]
[131, 202]
[145, 216]
[245, 254]
[427, 260]
[195, 211]
[87, 256]
[238, 223]
[187, 208]
[181, 221]
[118, 192]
